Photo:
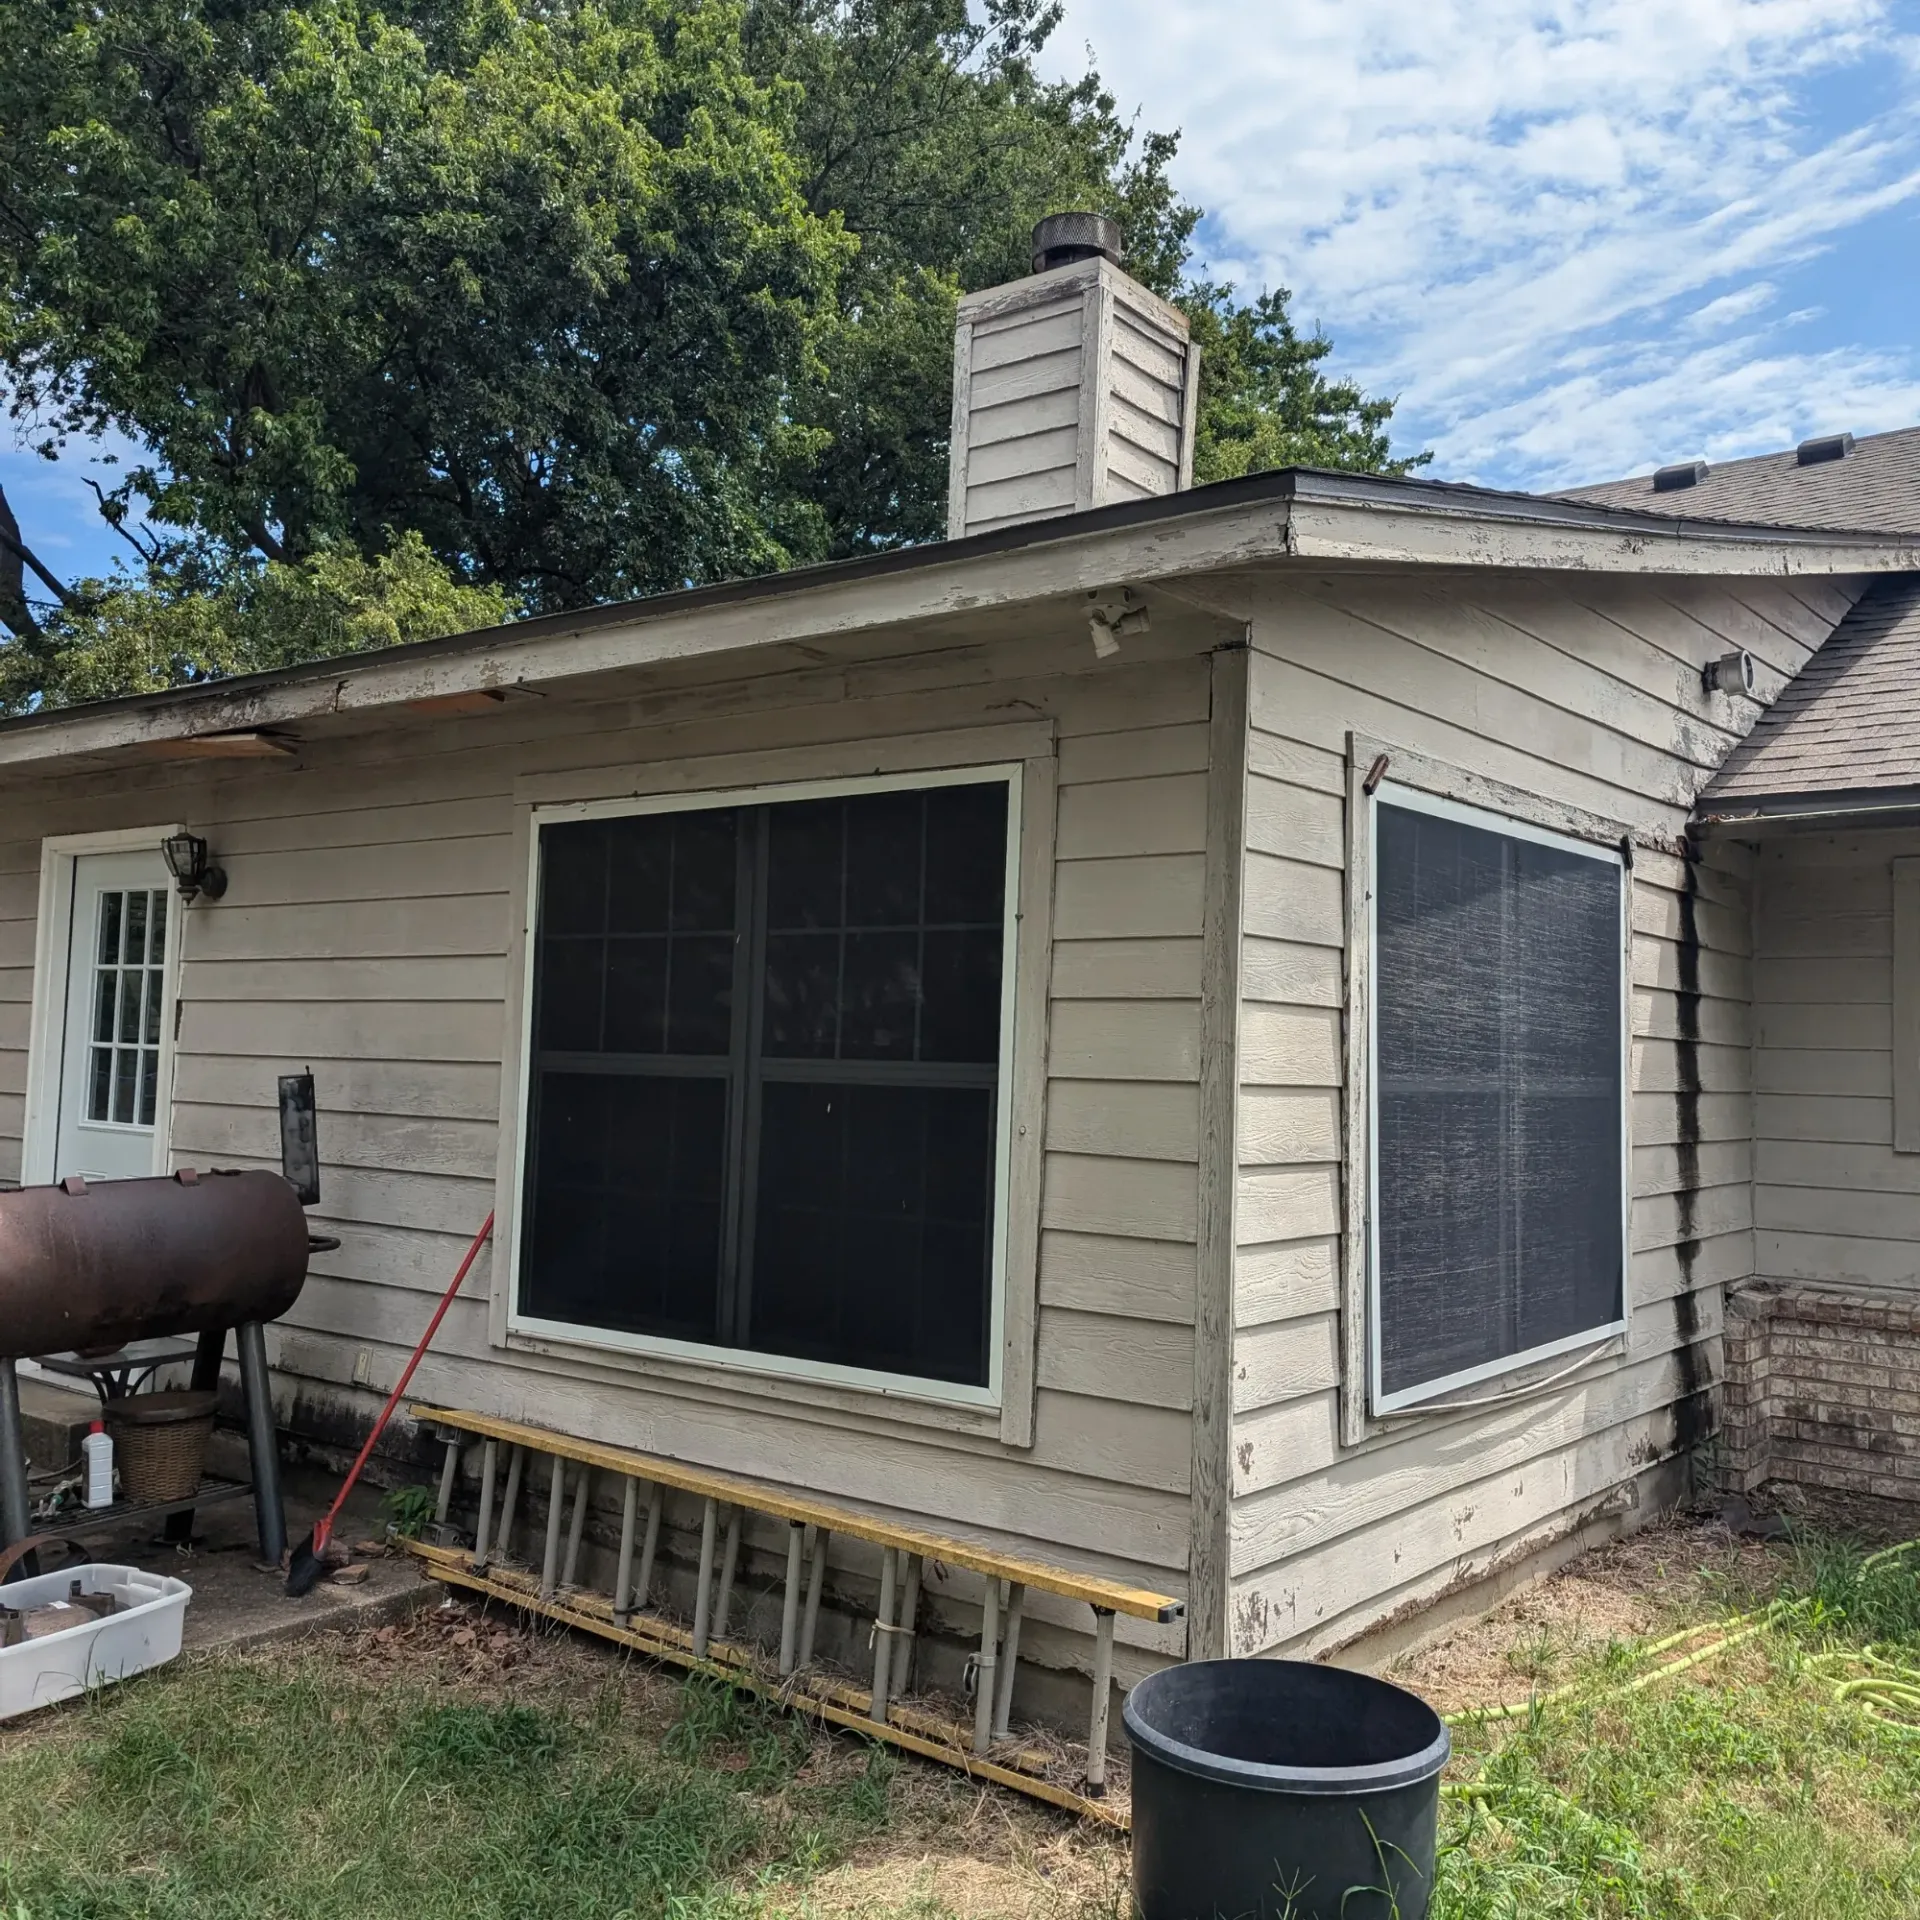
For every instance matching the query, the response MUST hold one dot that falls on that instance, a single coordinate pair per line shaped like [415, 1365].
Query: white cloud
[1538, 220]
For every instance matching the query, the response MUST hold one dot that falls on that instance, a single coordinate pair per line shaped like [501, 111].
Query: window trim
[1001, 1395]
[1422, 785]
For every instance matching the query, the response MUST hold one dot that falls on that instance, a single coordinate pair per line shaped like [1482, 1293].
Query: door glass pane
[149, 1086]
[106, 985]
[100, 1084]
[136, 929]
[157, 928]
[132, 985]
[110, 904]
[126, 1077]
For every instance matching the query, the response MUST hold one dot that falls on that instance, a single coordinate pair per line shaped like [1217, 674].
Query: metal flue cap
[1062, 238]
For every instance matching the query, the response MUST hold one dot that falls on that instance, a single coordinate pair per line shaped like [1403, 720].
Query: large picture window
[1499, 1069]
[766, 1073]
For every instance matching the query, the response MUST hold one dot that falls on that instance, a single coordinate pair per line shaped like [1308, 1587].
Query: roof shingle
[1850, 721]
[1875, 488]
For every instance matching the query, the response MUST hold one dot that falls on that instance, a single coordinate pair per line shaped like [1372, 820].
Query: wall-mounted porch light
[186, 858]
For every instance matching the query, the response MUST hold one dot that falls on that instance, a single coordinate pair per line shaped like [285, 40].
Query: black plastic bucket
[1282, 1790]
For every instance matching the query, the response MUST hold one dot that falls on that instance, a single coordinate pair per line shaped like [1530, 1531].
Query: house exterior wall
[1823, 1360]
[1834, 1203]
[1585, 692]
[366, 931]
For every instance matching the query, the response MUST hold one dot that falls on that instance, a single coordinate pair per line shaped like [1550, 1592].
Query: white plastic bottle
[98, 1447]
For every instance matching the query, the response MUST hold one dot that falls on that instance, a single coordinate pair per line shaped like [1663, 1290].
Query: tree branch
[16, 558]
[115, 516]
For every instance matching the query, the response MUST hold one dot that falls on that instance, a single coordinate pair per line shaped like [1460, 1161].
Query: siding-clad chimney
[1073, 388]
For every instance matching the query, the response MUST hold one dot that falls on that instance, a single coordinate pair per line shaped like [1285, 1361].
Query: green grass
[1739, 1791]
[560, 1784]
[274, 1792]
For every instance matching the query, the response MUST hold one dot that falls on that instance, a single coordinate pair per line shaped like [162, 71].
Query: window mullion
[745, 988]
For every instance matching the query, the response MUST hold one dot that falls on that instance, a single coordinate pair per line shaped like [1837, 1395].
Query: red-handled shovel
[309, 1557]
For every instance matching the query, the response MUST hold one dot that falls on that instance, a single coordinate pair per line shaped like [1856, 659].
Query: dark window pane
[150, 1032]
[100, 1085]
[567, 994]
[883, 859]
[804, 864]
[137, 929]
[106, 986]
[880, 996]
[1499, 1098]
[639, 873]
[573, 878]
[802, 995]
[705, 875]
[126, 1077]
[109, 954]
[961, 1017]
[636, 1020]
[700, 994]
[149, 1087]
[967, 854]
[896, 983]
[873, 1228]
[623, 1223]
[157, 929]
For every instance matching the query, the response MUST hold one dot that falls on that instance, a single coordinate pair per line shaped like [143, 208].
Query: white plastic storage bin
[144, 1633]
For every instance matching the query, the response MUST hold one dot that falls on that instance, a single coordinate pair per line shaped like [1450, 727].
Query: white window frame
[1014, 775]
[1415, 783]
[46, 1030]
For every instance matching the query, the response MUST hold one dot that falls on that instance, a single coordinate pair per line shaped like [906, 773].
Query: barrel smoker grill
[92, 1267]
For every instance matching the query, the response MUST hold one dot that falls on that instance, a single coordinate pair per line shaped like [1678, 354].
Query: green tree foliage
[589, 298]
[535, 281]
[176, 627]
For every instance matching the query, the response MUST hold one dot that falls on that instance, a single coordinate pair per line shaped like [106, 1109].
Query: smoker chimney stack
[1072, 389]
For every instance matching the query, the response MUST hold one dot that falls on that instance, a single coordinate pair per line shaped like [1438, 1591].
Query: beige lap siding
[1834, 1203]
[365, 933]
[1581, 690]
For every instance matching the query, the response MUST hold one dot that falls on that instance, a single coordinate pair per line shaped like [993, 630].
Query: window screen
[1498, 1087]
[766, 1065]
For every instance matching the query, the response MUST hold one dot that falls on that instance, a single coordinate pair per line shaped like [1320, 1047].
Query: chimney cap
[1062, 238]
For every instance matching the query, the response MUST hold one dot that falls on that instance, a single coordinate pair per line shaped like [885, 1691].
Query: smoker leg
[14, 1523]
[263, 1442]
[206, 1379]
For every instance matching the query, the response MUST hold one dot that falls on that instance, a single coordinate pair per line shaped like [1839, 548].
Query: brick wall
[1822, 1389]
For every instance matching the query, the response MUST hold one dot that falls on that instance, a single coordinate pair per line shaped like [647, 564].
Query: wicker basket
[160, 1442]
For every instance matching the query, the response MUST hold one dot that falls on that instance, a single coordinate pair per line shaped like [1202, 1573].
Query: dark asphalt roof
[1849, 724]
[1877, 485]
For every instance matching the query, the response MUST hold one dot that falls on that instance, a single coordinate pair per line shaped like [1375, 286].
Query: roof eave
[1297, 515]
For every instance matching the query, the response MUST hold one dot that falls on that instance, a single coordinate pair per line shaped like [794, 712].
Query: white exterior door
[119, 962]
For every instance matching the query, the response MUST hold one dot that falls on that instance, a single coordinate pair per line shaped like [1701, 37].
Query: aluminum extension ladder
[986, 1748]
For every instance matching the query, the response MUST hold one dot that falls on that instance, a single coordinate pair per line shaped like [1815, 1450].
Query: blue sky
[1577, 238]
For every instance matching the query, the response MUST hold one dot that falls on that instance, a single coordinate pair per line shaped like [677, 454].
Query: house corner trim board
[1209, 1556]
